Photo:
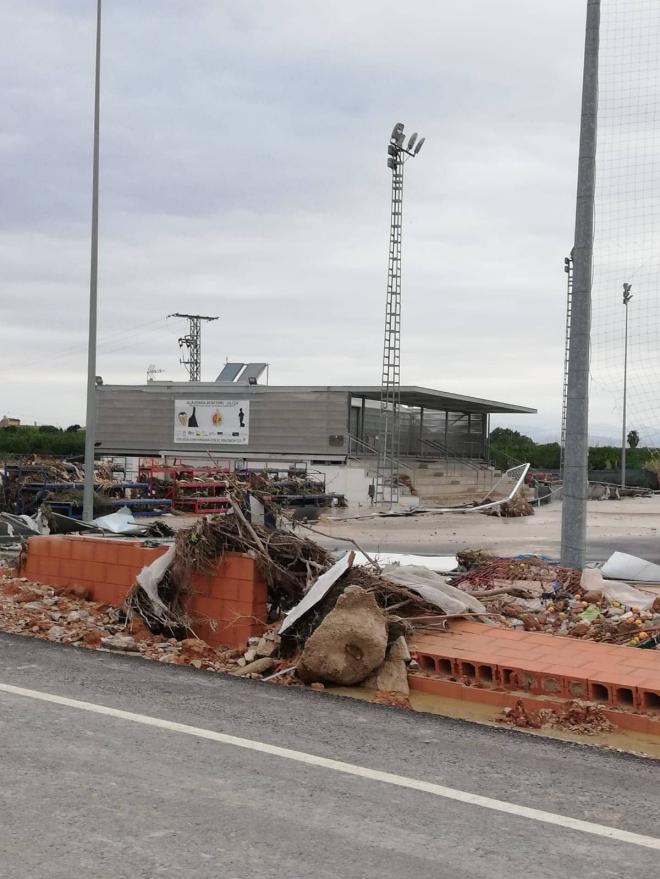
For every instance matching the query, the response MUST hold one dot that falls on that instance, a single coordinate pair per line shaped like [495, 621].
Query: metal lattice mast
[387, 473]
[193, 343]
[568, 268]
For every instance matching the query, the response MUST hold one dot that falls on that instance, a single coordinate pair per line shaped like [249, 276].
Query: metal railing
[360, 448]
[450, 455]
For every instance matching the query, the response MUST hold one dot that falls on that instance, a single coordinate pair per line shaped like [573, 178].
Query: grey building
[252, 422]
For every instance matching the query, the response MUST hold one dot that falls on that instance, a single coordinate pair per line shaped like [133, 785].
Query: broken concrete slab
[120, 642]
[259, 666]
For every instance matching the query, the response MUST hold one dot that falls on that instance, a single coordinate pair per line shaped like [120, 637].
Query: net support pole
[574, 511]
[90, 418]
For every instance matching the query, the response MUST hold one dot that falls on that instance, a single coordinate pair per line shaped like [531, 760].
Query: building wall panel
[140, 420]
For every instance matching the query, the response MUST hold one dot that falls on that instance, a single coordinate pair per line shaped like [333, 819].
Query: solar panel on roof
[252, 370]
[230, 372]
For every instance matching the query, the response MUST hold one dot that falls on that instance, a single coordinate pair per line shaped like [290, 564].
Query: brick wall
[487, 657]
[226, 607]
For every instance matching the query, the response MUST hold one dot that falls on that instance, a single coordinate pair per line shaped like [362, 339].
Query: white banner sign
[224, 422]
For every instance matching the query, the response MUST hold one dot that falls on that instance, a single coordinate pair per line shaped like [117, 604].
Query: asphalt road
[88, 795]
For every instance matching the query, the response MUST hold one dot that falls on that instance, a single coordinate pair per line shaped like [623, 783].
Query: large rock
[392, 676]
[350, 642]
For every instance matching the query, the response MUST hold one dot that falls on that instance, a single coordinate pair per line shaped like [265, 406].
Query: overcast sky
[243, 173]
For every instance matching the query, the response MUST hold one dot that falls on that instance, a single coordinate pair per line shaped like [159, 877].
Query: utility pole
[90, 416]
[193, 342]
[627, 296]
[568, 268]
[387, 472]
[574, 511]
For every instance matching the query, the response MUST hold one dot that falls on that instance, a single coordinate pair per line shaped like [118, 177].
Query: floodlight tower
[568, 268]
[387, 473]
[193, 342]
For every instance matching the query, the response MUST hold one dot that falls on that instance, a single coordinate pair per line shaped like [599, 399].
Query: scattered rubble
[537, 595]
[65, 616]
[577, 717]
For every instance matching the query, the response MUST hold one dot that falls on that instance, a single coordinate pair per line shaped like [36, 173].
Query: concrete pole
[574, 512]
[90, 417]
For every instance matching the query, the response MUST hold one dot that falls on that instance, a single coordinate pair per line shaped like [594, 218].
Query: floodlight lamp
[420, 143]
[391, 150]
[411, 142]
[396, 131]
[627, 295]
[399, 139]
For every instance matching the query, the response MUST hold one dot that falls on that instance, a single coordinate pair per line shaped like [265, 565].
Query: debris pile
[287, 562]
[337, 622]
[33, 480]
[207, 490]
[66, 616]
[515, 507]
[577, 717]
[536, 595]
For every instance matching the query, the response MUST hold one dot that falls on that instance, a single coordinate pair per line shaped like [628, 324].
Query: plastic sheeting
[151, 575]
[593, 581]
[121, 522]
[441, 564]
[434, 589]
[317, 591]
[621, 566]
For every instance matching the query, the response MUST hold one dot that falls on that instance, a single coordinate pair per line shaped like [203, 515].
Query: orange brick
[437, 687]
[94, 571]
[63, 549]
[649, 700]
[202, 584]
[50, 567]
[237, 567]
[202, 606]
[226, 588]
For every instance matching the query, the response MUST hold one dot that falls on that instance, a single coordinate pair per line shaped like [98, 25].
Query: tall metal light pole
[574, 511]
[387, 472]
[627, 296]
[90, 416]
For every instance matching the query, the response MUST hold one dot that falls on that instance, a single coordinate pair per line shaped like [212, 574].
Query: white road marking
[428, 787]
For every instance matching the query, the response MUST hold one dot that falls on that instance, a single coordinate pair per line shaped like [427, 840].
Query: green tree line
[44, 440]
[509, 447]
